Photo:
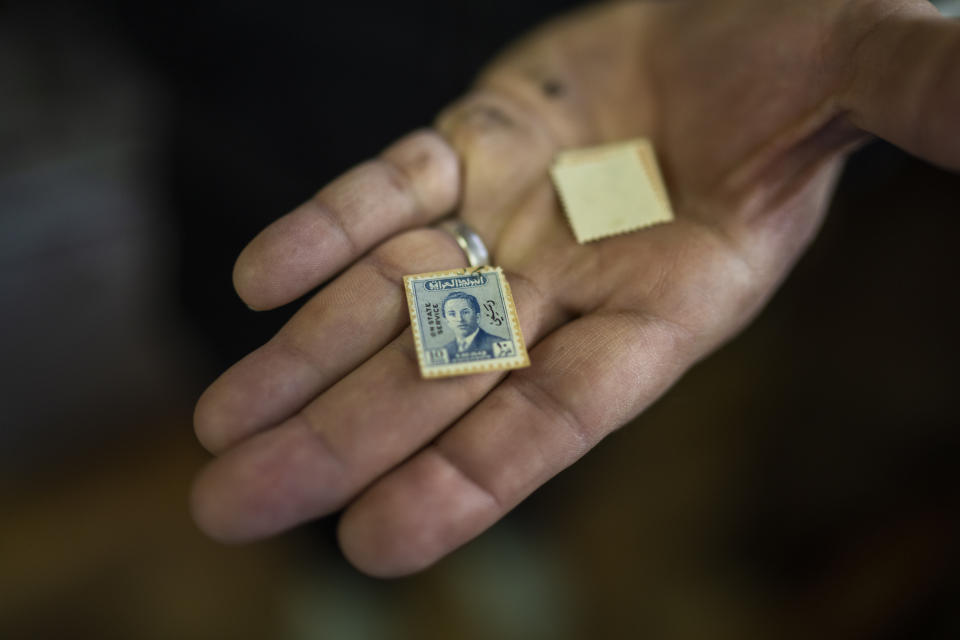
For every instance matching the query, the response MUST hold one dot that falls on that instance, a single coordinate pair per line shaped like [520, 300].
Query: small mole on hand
[496, 114]
[553, 88]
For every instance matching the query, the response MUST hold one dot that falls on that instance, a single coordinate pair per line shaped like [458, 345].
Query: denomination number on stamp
[464, 321]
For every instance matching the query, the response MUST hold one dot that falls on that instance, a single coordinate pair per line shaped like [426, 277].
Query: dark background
[799, 483]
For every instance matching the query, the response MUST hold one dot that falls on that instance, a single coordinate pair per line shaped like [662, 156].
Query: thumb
[905, 83]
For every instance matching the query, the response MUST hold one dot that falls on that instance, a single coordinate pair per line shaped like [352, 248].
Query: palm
[747, 119]
[736, 152]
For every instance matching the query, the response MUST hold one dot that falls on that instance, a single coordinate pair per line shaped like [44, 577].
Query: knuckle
[555, 408]
[330, 209]
[382, 265]
[425, 166]
[477, 119]
[416, 251]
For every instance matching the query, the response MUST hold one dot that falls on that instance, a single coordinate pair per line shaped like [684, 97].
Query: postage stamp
[464, 321]
[611, 189]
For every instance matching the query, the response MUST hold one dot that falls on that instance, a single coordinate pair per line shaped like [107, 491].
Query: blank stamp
[611, 189]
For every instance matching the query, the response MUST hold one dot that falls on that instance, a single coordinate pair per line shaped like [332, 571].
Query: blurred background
[800, 482]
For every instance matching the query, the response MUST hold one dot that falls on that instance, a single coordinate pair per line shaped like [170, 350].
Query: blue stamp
[464, 321]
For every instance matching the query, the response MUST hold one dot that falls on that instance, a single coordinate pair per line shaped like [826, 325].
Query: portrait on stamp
[464, 322]
[461, 312]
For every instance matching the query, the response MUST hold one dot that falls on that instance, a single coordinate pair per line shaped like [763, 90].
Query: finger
[906, 81]
[340, 327]
[506, 148]
[328, 452]
[412, 182]
[586, 379]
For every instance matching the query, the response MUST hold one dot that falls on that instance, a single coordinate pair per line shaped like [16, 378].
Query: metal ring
[469, 241]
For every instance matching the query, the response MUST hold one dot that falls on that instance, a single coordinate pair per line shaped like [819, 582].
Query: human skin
[752, 106]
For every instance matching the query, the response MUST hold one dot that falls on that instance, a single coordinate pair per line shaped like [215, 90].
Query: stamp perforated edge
[646, 154]
[518, 361]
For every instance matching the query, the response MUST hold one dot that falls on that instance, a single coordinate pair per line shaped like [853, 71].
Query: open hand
[751, 104]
